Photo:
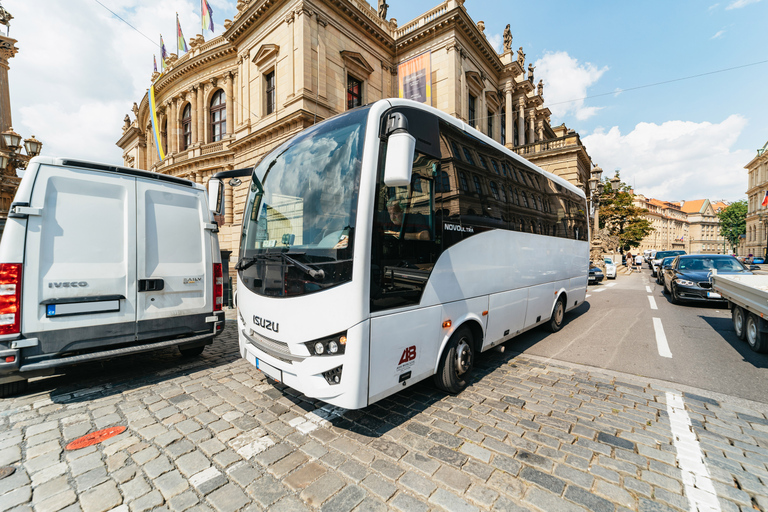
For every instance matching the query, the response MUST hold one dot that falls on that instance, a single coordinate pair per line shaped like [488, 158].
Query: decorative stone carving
[383, 5]
[227, 24]
[214, 81]
[5, 19]
[126, 123]
[520, 57]
[531, 67]
[541, 88]
[481, 26]
[135, 109]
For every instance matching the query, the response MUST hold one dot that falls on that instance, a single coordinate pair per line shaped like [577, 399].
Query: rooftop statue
[507, 39]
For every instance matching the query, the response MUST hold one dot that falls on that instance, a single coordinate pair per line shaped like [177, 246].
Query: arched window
[186, 124]
[442, 184]
[218, 116]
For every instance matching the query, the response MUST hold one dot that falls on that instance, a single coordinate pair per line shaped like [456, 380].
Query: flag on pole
[765, 199]
[207, 15]
[163, 53]
[155, 59]
[181, 44]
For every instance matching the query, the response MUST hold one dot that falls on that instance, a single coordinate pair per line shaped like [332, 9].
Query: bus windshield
[298, 231]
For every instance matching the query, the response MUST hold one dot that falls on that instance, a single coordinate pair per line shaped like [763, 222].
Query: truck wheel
[456, 362]
[192, 351]
[739, 322]
[558, 314]
[13, 388]
[756, 339]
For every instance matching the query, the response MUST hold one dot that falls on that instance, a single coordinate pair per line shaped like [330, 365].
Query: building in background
[691, 226]
[756, 239]
[279, 67]
[669, 223]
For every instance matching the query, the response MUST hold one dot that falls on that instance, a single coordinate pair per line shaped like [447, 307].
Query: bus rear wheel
[558, 314]
[456, 362]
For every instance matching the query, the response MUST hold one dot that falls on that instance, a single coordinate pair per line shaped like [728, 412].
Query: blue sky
[79, 70]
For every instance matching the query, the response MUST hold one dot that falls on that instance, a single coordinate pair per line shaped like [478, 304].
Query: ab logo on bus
[409, 354]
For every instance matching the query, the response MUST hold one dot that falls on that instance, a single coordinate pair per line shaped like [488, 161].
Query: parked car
[688, 278]
[660, 255]
[665, 263]
[610, 268]
[595, 274]
[756, 260]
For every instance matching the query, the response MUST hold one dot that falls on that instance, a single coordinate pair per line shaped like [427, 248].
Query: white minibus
[393, 243]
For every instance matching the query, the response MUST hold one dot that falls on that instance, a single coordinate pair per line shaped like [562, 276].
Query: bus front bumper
[339, 380]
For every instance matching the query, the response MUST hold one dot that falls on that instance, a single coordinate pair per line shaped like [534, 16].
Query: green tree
[733, 222]
[621, 217]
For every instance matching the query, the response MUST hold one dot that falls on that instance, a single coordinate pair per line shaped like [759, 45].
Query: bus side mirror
[216, 196]
[401, 146]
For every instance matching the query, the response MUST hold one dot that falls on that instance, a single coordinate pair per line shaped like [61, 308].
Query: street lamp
[616, 182]
[595, 189]
[12, 156]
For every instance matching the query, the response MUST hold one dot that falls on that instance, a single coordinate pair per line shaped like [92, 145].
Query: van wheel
[756, 339]
[456, 362]
[192, 351]
[739, 322]
[13, 388]
[558, 314]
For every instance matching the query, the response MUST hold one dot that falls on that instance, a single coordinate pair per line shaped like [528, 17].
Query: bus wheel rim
[559, 313]
[463, 357]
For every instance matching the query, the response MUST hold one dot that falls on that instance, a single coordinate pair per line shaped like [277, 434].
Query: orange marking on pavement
[95, 437]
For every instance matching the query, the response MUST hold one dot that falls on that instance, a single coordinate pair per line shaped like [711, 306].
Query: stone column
[509, 110]
[290, 57]
[483, 119]
[173, 134]
[521, 123]
[302, 30]
[229, 116]
[454, 65]
[7, 51]
[193, 113]
[322, 61]
[531, 126]
[201, 114]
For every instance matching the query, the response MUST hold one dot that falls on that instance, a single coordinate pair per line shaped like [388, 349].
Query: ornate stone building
[9, 182]
[280, 66]
[756, 239]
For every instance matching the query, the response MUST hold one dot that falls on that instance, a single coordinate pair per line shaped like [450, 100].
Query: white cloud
[718, 35]
[738, 4]
[496, 41]
[677, 159]
[713, 7]
[78, 71]
[566, 82]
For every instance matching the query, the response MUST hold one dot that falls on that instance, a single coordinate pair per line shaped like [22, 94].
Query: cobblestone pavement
[212, 433]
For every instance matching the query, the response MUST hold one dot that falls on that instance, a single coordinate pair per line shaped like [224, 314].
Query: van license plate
[269, 370]
[713, 295]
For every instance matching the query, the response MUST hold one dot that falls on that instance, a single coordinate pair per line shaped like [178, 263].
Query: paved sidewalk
[212, 433]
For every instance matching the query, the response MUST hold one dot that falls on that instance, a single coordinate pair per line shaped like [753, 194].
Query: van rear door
[174, 260]
[80, 262]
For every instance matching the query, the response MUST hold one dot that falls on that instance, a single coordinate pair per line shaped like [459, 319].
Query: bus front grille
[274, 348]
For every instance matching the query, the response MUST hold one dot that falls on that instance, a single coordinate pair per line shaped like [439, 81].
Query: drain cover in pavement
[6, 471]
[95, 437]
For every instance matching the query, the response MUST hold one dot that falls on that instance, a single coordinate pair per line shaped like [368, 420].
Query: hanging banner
[414, 78]
[155, 127]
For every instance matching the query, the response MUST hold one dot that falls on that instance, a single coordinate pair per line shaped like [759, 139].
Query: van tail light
[218, 287]
[10, 298]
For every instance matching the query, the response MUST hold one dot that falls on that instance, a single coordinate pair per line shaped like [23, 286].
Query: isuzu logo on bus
[266, 324]
[69, 284]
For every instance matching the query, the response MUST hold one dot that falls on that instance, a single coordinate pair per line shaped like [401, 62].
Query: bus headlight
[328, 346]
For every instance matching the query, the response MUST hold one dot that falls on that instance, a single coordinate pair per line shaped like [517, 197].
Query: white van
[98, 261]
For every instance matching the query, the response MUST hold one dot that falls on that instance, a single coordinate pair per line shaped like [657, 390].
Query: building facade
[9, 182]
[282, 65]
[691, 226]
[756, 239]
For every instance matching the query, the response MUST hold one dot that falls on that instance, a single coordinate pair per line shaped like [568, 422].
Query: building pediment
[475, 80]
[266, 53]
[356, 63]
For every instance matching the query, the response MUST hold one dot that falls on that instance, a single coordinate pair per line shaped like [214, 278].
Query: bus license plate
[269, 370]
[713, 295]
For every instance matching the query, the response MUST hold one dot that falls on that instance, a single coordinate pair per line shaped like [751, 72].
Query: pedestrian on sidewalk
[630, 261]
[639, 261]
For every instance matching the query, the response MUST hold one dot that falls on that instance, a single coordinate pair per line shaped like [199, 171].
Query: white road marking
[698, 486]
[661, 338]
[588, 296]
[648, 289]
[609, 285]
[652, 301]
[600, 290]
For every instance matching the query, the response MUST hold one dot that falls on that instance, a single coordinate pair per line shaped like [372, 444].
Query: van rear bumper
[17, 371]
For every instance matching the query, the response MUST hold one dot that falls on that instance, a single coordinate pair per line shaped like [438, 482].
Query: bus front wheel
[456, 362]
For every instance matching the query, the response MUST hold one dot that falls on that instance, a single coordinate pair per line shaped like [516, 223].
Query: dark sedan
[595, 275]
[688, 277]
[662, 266]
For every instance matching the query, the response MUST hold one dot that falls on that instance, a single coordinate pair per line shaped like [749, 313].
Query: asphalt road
[619, 328]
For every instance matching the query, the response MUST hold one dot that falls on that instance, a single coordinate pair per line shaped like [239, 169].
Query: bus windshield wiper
[244, 263]
[314, 274]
